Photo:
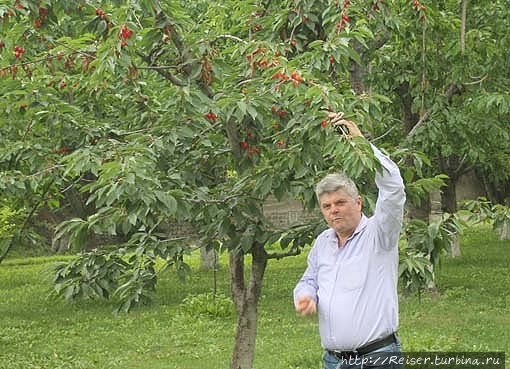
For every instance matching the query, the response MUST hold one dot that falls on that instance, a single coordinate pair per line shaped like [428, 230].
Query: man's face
[341, 211]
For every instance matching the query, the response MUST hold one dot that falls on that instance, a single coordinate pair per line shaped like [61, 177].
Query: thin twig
[47, 57]
[158, 67]
[476, 82]
[75, 50]
[44, 171]
[384, 134]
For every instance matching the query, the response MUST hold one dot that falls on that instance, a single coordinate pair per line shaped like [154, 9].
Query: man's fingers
[337, 120]
[335, 117]
[306, 306]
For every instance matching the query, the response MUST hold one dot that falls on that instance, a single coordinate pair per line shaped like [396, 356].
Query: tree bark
[246, 299]
[356, 72]
[422, 211]
[504, 231]
[449, 200]
[208, 259]
[456, 251]
[463, 16]
[449, 197]
[406, 100]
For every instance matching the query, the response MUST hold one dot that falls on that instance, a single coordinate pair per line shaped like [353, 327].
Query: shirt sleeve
[307, 285]
[389, 209]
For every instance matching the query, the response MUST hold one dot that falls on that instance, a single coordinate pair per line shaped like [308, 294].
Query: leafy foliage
[498, 215]
[422, 246]
[208, 305]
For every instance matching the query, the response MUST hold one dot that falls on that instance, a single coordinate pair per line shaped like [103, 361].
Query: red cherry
[244, 145]
[211, 116]
[43, 12]
[277, 75]
[324, 123]
[125, 32]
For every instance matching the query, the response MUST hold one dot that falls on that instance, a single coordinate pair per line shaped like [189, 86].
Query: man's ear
[359, 201]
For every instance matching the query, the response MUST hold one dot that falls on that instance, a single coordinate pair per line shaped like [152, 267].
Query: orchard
[124, 118]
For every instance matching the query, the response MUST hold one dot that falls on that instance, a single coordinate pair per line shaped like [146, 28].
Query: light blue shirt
[355, 286]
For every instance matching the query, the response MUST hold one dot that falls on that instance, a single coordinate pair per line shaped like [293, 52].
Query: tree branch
[282, 255]
[453, 89]
[26, 221]
[47, 57]
[162, 72]
[463, 17]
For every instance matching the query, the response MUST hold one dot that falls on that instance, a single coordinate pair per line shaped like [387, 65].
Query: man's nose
[334, 209]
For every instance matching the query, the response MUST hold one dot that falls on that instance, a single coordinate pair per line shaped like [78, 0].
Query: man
[352, 271]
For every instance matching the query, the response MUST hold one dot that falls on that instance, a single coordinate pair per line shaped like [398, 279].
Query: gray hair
[334, 182]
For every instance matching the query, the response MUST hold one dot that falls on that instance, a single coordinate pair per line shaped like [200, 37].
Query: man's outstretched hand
[337, 119]
[306, 306]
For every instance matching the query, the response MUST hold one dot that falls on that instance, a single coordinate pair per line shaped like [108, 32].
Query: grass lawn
[470, 313]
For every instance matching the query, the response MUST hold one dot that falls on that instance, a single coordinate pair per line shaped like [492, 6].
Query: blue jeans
[384, 358]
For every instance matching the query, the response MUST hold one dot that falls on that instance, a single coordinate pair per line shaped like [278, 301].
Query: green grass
[470, 313]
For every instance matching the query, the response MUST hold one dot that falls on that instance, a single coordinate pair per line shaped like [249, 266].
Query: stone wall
[283, 214]
[287, 213]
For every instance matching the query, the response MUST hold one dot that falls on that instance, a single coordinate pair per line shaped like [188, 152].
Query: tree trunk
[449, 202]
[431, 286]
[208, 259]
[449, 196]
[246, 299]
[456, 246]
[504, 231]
[449, 205]
[410, 118]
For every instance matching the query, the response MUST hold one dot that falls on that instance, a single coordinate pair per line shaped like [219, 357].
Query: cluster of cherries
[417, 6]
[18, 52]
[125, 34]
[211, 116]
[43, 13]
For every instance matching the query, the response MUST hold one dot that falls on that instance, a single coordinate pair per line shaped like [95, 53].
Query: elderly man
[352, 269]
